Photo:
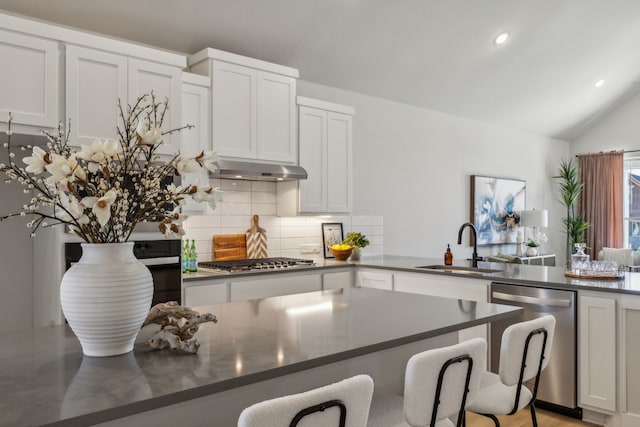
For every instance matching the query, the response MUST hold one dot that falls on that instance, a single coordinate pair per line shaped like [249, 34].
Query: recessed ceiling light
[501, 38]
[599, 83]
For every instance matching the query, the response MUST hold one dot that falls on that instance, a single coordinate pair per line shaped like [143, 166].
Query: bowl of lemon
[341, 251]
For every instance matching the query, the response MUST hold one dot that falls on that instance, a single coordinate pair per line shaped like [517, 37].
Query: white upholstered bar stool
[524, 353]
[342, 404]
[437, 385]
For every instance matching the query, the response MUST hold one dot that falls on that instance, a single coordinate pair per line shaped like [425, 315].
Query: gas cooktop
[238, 265]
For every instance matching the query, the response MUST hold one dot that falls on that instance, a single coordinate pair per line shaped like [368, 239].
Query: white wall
[285, 235]
[618, 130]
[412, 166]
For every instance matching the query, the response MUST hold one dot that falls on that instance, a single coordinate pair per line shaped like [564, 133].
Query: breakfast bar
[259, 349]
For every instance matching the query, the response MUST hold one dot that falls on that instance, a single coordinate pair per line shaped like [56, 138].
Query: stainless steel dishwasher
[557, 390]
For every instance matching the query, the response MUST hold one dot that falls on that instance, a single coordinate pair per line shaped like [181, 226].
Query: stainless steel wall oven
[162, 257]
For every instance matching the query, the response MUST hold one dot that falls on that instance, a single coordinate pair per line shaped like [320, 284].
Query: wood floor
[523, 419]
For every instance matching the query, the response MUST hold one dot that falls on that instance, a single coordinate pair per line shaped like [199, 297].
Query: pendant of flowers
[107, 187]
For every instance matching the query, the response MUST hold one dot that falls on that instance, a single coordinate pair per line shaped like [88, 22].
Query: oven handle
[531, 300]
[161, 261]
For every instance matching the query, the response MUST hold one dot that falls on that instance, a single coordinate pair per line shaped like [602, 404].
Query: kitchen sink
[459, 269]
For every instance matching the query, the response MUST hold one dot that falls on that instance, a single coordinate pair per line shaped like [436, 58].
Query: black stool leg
[534, 419]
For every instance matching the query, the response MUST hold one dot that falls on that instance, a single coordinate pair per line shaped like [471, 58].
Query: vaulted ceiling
[437, 54]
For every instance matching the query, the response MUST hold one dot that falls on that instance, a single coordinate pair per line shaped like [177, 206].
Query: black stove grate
[256, 264]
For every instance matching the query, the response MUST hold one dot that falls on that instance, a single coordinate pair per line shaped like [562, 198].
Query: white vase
[105, 297]
[532, 251]
[355, 253]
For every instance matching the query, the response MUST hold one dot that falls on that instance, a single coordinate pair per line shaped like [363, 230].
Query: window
[631, 200]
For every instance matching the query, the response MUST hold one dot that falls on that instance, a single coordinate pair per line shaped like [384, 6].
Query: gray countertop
[46, 380]
[534, 275]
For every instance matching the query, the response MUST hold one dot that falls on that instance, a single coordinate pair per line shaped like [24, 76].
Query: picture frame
[496, 204]
[331, 234]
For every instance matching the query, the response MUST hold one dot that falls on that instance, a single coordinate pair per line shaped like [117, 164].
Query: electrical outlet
[309, 248]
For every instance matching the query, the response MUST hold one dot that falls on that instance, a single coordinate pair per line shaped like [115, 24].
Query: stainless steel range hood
[250, 171]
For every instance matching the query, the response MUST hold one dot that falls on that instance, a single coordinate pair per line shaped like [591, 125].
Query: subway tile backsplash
[285, 235]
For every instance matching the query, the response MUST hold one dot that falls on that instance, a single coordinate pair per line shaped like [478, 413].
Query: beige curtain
[600, 201]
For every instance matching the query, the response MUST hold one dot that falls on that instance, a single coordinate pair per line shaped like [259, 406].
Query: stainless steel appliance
[162, 257]
[558, 387]
[273, 264]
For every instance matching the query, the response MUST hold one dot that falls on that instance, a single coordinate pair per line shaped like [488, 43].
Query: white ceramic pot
[355, 253]
[532, 251]
[105, 298]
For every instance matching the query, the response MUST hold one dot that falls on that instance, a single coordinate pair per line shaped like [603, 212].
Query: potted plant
[570, 188]
[532, 247]
[357, 241]
[100, 192]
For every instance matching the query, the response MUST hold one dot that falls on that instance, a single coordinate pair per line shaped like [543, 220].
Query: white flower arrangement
[104, 190]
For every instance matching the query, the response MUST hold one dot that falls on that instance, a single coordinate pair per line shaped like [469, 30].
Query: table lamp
[534, 219]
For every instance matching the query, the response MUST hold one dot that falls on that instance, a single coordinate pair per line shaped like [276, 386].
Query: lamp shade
[534, 218]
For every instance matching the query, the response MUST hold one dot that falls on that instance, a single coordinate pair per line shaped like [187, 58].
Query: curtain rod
[607, 152]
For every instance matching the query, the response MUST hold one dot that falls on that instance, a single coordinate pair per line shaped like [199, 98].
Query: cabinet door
[195, 111]
[276, 118]
[205, 292]
[597, 352]
[339, 135]
[29, 80]
[337, 280]
[94, 82]
[630, 368]
[165, 82]
[233, 110]
[313, 157]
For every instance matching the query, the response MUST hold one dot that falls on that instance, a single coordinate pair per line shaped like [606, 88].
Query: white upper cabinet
[325, 144]
[166, 82]
[276, 117]
[339, 162]
[195, 111]
[233, 108]
[29, 80]
[95, 80]
[253, 110]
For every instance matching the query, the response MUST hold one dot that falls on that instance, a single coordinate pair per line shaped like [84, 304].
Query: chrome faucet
[474, 258]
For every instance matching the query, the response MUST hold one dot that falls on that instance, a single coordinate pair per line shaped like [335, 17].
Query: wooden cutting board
[256, 240]
[229, 246]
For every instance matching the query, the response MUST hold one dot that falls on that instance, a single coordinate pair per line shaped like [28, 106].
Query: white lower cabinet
[372, 278]
[630, 368]
[465, 290]
[337, 279]
[205, 292]
[217, 291]
[597, 352]
[274, 285]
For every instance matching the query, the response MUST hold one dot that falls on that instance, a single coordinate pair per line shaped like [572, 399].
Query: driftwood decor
[178, 326]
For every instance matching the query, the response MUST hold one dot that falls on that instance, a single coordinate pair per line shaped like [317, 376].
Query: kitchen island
[259, 349]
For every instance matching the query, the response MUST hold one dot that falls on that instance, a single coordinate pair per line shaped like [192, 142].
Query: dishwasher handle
[531, 300]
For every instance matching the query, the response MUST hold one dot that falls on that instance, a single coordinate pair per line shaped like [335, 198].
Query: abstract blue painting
[496, 204]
